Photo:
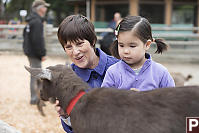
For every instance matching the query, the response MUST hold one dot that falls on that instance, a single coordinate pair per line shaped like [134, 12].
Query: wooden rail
[169, 33]
[182, 41]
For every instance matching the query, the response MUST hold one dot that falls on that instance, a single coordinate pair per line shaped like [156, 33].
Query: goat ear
[40, 73]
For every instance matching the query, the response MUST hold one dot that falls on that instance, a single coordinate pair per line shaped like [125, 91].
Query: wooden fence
[183, 41]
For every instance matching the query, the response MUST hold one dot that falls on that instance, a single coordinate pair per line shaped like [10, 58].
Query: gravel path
[14, 94]
[14, 97]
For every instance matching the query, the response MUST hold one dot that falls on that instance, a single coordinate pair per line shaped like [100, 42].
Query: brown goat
[108, 110]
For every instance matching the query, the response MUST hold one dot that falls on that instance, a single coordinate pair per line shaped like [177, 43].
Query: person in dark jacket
[109, 37]
[34, 44]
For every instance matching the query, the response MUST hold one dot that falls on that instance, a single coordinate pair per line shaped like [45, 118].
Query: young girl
[136, 70]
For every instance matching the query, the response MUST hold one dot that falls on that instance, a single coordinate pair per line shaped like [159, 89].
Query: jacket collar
[146, 64]
[34, 15]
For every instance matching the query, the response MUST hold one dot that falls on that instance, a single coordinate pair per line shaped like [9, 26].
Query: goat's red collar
[74, 101]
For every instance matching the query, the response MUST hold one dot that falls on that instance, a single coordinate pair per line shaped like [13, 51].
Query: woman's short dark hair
[75, 27]
[141, 28]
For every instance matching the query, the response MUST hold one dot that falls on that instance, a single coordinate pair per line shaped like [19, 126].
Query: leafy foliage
[61, 9]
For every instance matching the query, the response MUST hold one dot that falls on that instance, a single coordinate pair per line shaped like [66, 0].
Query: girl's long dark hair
[142, 30]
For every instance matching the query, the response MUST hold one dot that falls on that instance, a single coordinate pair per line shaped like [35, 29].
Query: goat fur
[109, 110]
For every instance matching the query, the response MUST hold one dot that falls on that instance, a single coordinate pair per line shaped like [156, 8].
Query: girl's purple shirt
[151, 76]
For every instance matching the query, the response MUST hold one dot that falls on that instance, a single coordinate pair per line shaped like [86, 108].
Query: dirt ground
[14, 94]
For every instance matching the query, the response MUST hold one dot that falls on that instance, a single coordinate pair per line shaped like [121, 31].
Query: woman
[77, 36]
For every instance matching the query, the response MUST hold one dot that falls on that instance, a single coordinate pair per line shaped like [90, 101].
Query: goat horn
[40, 73]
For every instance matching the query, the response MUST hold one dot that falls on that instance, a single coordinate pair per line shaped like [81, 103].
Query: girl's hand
[134, 89]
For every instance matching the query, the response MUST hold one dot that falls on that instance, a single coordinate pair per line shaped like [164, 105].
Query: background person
[34, 44]
[116, 20]
[136, 68]
[109, 37]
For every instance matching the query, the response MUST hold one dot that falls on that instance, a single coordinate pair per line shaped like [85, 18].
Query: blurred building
[166, 12]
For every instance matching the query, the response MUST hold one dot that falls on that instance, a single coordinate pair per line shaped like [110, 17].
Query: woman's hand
[59, 110]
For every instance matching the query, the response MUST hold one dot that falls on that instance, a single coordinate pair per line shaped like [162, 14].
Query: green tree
[61, 8]
[13, 8]
[16, 5]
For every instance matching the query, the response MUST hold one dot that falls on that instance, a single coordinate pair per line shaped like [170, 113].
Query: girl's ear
[148, 44]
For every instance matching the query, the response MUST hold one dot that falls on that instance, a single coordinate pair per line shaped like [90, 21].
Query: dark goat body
[108, 110]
